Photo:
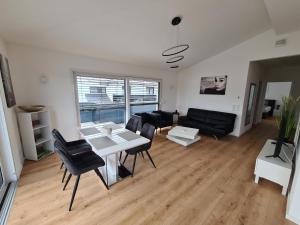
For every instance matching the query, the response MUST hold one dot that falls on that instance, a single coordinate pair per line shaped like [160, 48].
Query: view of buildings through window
[104, 99]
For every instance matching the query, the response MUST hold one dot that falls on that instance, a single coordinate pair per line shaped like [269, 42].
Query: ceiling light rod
[178, 48]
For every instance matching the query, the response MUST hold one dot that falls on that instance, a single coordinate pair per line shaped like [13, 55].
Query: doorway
[275, 91]
[277, 77]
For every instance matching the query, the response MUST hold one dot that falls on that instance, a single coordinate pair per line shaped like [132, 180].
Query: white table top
[121, 139]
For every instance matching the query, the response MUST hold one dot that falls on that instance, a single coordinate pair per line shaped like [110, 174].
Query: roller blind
[144, 95]
[143, 91]
[101, 99]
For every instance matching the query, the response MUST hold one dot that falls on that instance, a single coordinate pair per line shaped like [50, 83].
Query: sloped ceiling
[132, 31]
[284, 15]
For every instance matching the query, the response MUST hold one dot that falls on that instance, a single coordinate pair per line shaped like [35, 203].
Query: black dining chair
[131, 125]
[147, 132]
[78, 165]
[77, 147]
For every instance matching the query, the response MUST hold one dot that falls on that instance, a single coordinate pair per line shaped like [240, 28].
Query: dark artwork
[7, 84]
[213, 85]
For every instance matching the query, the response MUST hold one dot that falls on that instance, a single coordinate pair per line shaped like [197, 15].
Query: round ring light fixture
[175, 59]
[175, 50]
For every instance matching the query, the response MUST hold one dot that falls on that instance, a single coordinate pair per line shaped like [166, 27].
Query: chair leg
[74, 192]
[150, 159]
[62, 164]
[100, 175]
[142, 154]
[68, 179]
[125, 158]
[64, 175]
[133, 164]
[120, 156]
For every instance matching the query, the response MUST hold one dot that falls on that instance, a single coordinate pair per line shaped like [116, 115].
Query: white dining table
[109, 145]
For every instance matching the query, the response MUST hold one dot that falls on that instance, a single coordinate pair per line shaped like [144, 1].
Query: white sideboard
[274, 169]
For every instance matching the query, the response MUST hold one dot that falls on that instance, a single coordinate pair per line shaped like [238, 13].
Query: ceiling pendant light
[175, 59]
[178, 48]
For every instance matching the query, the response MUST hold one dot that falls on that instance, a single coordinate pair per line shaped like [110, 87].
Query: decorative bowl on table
[31, 108]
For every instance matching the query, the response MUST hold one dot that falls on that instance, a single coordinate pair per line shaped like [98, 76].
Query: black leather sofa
[159, 119]
[208, 122]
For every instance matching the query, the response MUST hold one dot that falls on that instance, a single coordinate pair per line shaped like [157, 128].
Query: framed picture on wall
[6, 80]
[215, 85]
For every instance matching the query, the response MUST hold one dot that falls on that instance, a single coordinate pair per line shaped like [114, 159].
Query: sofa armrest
[168, 116]
[182, 118]
[154, 119]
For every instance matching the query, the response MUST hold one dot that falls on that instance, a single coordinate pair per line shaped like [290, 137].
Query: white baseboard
[293, 219]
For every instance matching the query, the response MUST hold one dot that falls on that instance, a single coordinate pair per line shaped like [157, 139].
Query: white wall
[13, 145]
[233, 62]
[28, 64]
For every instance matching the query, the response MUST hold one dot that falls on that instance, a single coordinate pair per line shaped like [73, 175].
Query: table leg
[106, 170]
[256, 179]
[117, 167]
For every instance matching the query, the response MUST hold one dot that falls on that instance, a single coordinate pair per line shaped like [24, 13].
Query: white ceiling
[284, 15]
[132, 31]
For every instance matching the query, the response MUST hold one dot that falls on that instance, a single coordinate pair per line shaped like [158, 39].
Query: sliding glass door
[103, 99]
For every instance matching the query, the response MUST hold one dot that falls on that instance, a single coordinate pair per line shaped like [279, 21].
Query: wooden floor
[211, 182]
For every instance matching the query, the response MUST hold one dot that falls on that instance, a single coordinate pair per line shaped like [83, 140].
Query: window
[144, 96]
[103, 99]
[100, 99]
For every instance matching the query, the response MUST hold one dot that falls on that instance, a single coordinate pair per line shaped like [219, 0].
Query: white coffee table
[183, 135]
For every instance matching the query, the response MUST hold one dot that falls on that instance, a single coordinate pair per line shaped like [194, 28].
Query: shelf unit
[35, 128]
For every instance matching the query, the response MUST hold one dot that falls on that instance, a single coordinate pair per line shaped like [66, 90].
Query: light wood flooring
[210, 182]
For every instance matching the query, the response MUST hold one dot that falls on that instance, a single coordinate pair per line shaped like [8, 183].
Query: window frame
[78, 73]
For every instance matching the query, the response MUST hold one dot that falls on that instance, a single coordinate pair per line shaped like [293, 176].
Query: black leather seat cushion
[140, 148]
[81, 164]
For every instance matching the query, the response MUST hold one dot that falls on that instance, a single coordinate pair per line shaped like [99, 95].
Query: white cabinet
[35, 128]
[274, 169]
